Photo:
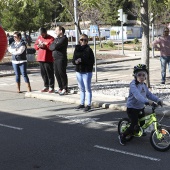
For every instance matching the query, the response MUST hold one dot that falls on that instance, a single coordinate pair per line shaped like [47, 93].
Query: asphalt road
[39, 134]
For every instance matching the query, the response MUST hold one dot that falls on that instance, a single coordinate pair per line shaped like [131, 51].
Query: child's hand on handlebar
[160, 103]
[150, 103]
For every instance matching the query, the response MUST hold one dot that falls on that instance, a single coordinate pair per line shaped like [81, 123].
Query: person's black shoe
[122, 140]
[87, 108]
[80, 107]
[162, 82]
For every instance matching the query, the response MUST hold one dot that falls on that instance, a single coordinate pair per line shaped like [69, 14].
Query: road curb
[74, 99]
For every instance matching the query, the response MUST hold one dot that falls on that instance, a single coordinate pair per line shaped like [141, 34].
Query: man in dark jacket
[59, 53]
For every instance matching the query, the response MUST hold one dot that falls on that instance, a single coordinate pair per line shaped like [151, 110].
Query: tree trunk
[145, 35]
[78, 26]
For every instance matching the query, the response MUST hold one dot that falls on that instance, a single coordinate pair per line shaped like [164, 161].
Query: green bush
[110, 44]
[137, 48]
[136, 41]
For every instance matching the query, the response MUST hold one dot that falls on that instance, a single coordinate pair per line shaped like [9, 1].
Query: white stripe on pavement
[106, 124]
[12, 127]
[128, 153]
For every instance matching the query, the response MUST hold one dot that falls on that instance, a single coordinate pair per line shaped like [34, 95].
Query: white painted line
[12, 127]
[3, 84]
[106, 124]
[127, 153]
[80, 120]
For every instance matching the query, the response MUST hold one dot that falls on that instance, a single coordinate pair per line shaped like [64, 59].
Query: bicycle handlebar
[154, 105]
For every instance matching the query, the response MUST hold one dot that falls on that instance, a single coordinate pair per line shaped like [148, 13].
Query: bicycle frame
[151, 119]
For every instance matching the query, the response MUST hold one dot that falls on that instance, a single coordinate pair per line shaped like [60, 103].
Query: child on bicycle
[138, 97]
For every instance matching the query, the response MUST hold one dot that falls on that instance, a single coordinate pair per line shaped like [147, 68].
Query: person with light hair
[83, 59]
[19, 60]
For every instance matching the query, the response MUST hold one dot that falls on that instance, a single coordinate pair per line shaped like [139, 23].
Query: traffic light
[120, 15]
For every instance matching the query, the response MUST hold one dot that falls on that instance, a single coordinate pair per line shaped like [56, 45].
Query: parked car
[34, 36]
[27, 39]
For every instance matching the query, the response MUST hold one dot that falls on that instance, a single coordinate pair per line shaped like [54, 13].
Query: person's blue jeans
[20, 69]
[164, 62]
[84, 83]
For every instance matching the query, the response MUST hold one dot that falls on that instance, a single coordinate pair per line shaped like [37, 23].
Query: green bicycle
[160, 136]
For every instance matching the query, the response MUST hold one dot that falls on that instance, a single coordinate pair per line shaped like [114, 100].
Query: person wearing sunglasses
[19, 60]
[83, 58]
[163, 45]
[137, 99]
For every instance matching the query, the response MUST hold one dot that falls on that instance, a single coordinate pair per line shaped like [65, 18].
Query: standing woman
[83, 58]
[19, 60]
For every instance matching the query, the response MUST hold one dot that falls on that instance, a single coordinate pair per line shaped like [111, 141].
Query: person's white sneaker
[58, 91]
[45, 89]
[63, 92]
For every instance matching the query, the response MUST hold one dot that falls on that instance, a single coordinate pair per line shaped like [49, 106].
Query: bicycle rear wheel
[122, 126]
[160, 140]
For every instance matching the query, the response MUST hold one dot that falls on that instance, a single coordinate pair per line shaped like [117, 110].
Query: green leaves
[27, 15]
[90, 3]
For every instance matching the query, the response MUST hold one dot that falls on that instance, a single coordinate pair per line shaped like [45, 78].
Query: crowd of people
[52, 58]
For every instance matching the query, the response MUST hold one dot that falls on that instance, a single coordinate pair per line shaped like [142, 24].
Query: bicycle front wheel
[160, 140]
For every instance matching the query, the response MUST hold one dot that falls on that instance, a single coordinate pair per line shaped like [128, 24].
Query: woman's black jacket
[87, 58]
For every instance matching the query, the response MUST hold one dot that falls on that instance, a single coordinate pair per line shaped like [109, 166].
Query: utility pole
[76, 21]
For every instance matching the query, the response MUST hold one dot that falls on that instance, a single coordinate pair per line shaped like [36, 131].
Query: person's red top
[44, 54]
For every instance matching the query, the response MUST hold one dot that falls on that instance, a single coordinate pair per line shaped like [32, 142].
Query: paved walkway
[101, 100]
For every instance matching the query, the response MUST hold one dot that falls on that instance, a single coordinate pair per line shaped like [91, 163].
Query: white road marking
[106, 124]
[128, 153]
[12, 127]
[3, 84]
[80, 120]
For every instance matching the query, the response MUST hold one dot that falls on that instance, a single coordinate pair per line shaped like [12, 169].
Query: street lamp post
[76, 20]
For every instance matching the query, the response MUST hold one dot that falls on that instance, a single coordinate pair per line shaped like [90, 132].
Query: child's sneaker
[122, 140]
